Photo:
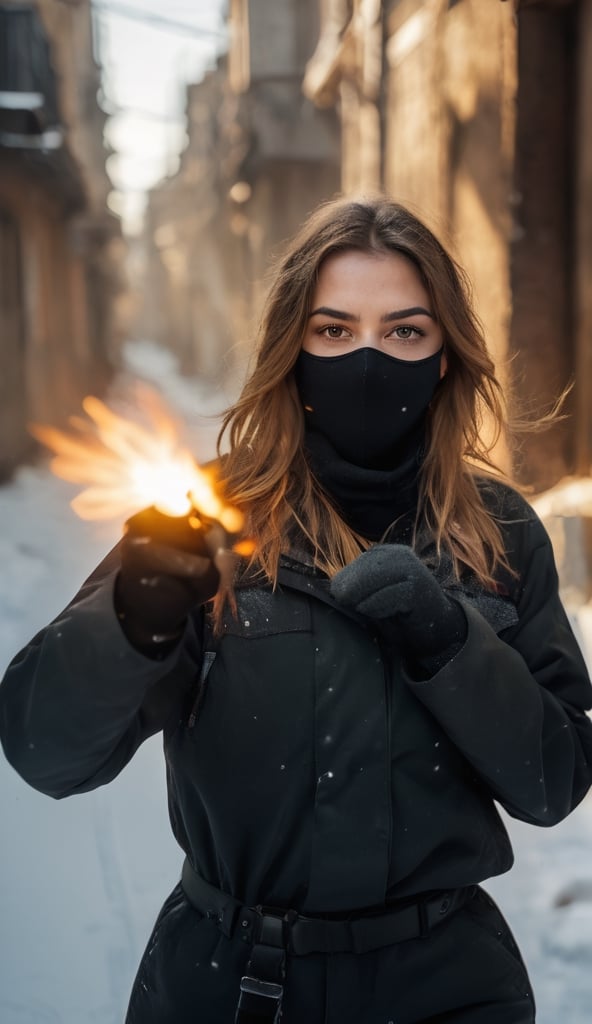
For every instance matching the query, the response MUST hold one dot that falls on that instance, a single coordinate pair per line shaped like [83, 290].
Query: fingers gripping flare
[168, 565]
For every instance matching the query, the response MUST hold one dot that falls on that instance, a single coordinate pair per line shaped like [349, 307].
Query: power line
[148, 18]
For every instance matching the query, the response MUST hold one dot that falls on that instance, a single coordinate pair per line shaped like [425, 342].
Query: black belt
[273, 932]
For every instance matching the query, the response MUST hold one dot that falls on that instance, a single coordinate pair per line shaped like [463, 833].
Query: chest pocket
[262, 612]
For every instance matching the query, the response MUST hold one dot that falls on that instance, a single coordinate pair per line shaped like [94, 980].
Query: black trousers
[467, 971]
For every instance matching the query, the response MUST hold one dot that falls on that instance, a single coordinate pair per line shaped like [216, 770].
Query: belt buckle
[257, 996]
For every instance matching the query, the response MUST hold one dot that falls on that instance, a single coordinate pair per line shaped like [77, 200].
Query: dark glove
[389, 583]
[168, 566]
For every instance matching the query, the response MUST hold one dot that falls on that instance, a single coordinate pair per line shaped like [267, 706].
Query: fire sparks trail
[127, 467]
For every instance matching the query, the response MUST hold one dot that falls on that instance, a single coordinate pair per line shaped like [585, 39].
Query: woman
[340, 719]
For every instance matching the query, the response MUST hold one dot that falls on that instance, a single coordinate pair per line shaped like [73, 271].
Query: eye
[408, 333]
[334, 332]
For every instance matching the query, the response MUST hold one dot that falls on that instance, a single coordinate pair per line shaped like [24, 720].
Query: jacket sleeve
[78, 700]
[515, 704]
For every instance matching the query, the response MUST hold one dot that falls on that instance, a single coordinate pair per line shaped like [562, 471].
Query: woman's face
[372, 300]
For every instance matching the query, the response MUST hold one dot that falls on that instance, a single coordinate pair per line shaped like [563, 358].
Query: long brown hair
[265, 472]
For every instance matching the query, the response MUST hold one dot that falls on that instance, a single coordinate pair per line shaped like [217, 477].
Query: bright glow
[146, 68]
[571, 496]
[128, 466]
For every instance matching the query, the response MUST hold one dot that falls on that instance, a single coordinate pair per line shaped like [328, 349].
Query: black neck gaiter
[369, 500]
[367, 404]
[365, 417]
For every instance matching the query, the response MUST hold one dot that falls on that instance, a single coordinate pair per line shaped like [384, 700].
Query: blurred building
[194, 255]
[259, 157]
[478, 115]
[57, 239]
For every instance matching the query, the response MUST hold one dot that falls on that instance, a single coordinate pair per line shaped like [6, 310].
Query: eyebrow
[401, 314]
[338, 314]
[396, 314]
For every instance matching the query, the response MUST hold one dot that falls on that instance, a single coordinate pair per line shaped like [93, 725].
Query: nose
[369, 339]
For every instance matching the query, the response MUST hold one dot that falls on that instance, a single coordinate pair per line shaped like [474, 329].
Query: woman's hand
[168, 566]
[389, 582]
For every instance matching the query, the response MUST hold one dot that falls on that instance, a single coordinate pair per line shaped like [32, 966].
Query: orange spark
[127, 467]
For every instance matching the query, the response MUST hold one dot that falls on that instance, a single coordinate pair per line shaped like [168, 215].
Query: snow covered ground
[83, 879]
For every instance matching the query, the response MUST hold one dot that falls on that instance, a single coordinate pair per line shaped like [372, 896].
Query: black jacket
[308, 769]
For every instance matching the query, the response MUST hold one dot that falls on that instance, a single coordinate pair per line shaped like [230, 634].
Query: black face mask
[366, 403]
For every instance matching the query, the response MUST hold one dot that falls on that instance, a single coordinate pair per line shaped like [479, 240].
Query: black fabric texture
[366, 403]
[369, 500]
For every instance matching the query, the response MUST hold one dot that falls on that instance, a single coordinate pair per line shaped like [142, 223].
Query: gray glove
[390, 584]
[167, 568]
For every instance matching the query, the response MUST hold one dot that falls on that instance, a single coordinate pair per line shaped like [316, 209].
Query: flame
[127, 466]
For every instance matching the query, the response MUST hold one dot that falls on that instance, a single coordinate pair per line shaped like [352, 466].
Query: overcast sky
[146, 65]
